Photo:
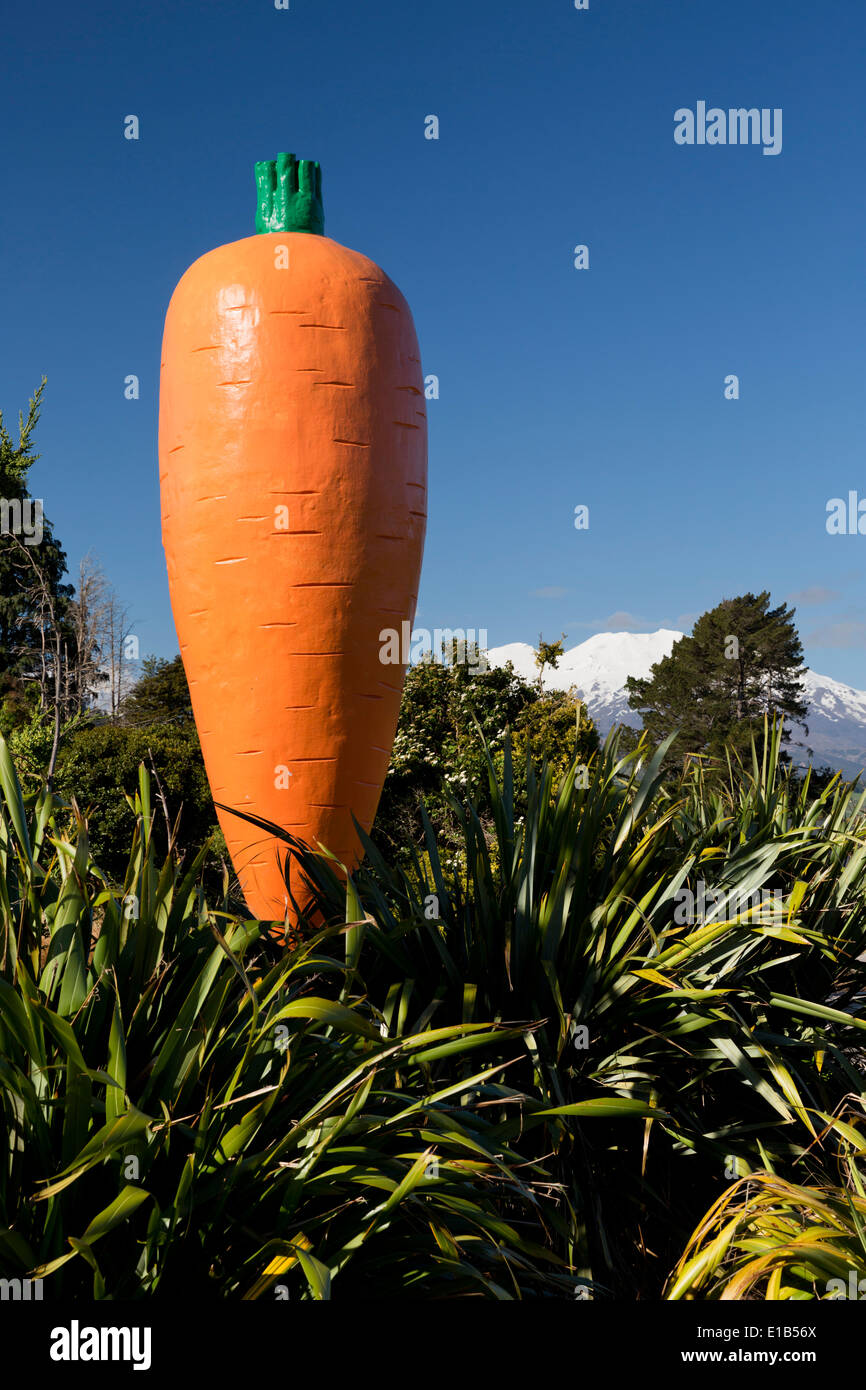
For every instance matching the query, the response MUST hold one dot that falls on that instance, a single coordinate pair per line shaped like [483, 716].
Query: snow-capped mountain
[837, 723]
[599, 666]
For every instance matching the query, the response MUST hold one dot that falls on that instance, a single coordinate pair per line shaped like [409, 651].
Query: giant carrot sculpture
[293, 460]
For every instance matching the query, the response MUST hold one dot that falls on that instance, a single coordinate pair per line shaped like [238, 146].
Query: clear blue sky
[558, 386]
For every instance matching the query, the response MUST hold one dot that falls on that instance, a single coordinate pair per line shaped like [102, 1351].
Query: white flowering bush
[439, 754]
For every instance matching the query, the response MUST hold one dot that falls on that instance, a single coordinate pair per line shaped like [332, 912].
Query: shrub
[662, 1054]
[99, 766]
[187, 1118]
[767, 1237]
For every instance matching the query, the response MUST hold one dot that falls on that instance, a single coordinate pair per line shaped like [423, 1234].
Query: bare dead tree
[118, 630]
[88, 614]
[102, 628]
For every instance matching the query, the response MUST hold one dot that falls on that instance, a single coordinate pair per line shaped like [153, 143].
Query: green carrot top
[289, 195]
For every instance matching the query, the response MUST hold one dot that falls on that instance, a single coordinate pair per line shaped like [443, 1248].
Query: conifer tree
[160, 695]
[742, 661]
[22, 605]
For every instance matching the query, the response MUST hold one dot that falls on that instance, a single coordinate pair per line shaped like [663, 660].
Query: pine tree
[743, 661]
[23, 602]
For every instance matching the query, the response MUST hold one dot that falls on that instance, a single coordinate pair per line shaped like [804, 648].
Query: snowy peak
[600, 666]
[605, 661]
[835, 700]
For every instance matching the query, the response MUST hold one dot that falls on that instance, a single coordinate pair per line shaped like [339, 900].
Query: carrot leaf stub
[289, 195]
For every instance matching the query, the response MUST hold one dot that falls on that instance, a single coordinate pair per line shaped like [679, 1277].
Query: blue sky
[558, 387]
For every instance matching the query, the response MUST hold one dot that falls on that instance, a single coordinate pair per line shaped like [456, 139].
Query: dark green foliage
[99, 765]
[17, 702]
[185, 1120]
[20, 630]
[160, 695]
[714, 1021]
[590, 1068]
[743, 661]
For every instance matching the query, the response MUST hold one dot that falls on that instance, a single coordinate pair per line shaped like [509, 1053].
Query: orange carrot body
[293, 461]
